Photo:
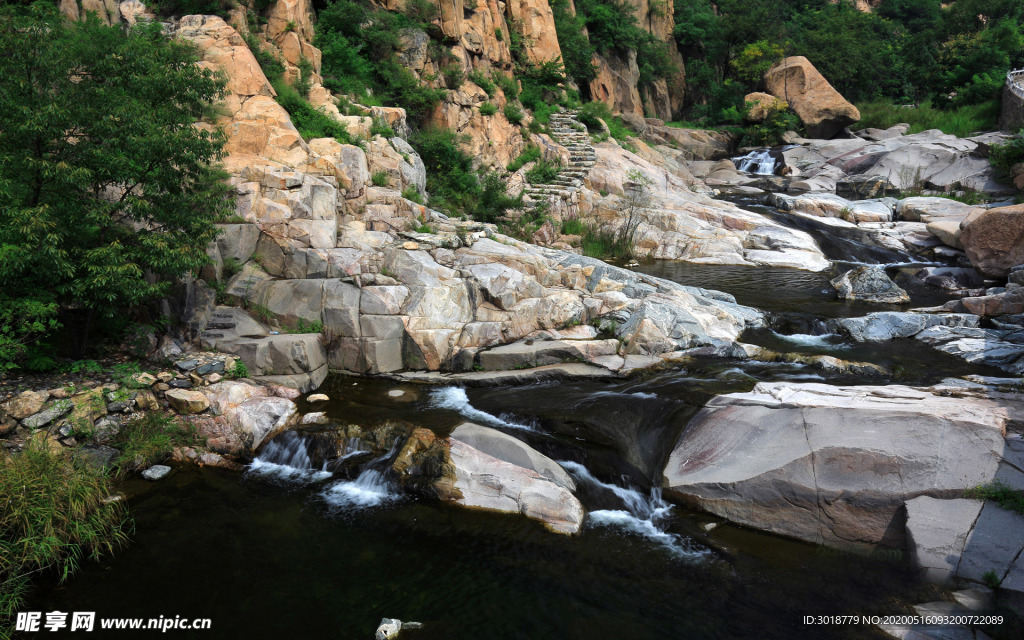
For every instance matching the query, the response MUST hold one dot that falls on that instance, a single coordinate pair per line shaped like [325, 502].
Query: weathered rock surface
[834, 465]
[994, 240]
[870, 284]
[497, 472]
[185, 401]
[890, 325]
[243, 416]
[821, 108]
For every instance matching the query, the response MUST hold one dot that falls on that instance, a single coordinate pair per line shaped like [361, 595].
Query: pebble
[318, 397]
[396, 393]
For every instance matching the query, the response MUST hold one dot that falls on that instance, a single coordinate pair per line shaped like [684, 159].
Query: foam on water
[370, 489]
[455, 399]
[644, 515]
[810, 340]
[286, 458]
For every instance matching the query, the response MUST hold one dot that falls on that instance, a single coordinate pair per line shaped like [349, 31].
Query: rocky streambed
[341, 539]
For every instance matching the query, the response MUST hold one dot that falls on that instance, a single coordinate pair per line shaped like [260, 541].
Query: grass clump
[379, 178]
[52, 516]
[481, 80]
[410, 193]
[593, 113]
[958, 121]
[488, 109]
[303, 326]
[149, 439]
[1004, 156]
[1001, 493]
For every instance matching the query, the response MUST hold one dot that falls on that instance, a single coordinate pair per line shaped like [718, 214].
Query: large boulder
[834, 465]
[821, 108]
[497, 472]
[870, 284]
[994, 240]
[242, 417]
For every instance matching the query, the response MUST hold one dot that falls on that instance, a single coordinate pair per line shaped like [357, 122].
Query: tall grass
[960, 122]
[52, 516]
[150, 439]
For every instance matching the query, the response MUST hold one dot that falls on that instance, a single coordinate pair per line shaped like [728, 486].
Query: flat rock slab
[937, 531]
[834, 465]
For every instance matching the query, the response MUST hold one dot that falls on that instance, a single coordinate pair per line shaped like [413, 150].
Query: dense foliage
[906, 51]
[454, 185]
[106, 187]
[360, 46]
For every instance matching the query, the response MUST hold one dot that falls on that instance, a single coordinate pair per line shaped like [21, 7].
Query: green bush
[1004, 156]
[379, 178]
[311, 122]
[381, 128]
[1001, 493]
[529, 154]
[778, 120]
[453, 75]
[53, 518]
[508, 85]
[543, 172]
[411, 193]
[453, 184]
[488, 109]
[589, 114]
[513, 113]
[479, 79]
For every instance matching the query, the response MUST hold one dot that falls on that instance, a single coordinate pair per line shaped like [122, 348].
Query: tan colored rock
[257, 127]
[994, 240]
[947, 230]
[497, 472]
[616, 83]
[821, 108]
[759, 105]
[186, 401]
[106, 10]
[537, 25]
[25, 404]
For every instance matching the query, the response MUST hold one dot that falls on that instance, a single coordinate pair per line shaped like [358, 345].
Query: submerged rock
[833, 465]
[870, 284]
[156, 472]
[497, 472]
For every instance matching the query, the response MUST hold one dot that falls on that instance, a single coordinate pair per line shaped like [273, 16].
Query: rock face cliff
[618, 76]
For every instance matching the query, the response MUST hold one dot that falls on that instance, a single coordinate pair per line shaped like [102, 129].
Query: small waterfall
[644, 515]
[759, 162]
[290, 457]
[372, 486]
[455, 399]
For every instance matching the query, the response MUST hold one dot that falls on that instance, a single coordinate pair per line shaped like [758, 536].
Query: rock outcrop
[821, 108]
[834, 465]
[497, 472]
[870, 284]
[994, 240]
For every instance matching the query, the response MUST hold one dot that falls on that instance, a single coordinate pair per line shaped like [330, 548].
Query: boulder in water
[497, 472]
[869, 284]
[833, 465]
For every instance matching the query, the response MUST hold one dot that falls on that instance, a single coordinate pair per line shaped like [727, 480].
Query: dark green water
[265, 559]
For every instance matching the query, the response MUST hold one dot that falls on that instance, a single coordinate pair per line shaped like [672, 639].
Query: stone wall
[1012, 116]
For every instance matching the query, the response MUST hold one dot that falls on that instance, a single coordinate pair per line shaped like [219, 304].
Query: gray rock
[834, 465]
[97, 457]
[890, 325]
[534, 353]
[937, 531]
[186, 365]
[182, 383]
[870, 284]
[993, 544]
[388, 628]
[210, 367]
[106, 429]
[58, 409]
[156, 472]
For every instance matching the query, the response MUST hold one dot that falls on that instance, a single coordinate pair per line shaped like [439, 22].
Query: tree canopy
[107, 191]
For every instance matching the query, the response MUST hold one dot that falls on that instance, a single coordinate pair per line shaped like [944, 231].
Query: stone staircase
[570, 133]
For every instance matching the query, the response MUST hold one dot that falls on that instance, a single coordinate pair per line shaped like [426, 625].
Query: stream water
[302, 547]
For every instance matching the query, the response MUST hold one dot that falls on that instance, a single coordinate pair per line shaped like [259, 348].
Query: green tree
[107, 192]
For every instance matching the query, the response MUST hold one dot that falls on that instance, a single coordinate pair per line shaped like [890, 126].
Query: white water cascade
[643, 515]
[371, 487]
[455, 399]
[759, 162]
[287, 457]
